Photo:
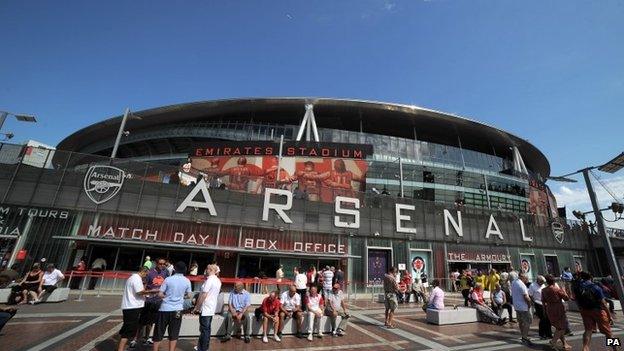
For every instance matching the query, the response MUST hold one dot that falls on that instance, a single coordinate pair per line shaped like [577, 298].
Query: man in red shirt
[269, 311]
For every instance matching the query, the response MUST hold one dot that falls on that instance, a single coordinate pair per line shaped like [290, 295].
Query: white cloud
[389, 6]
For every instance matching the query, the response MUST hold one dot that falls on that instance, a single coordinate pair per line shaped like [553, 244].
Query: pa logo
[102, 183]
[558, 231]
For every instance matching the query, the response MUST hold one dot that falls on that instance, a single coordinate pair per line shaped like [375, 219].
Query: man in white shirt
[535, 293]
[98, 265]
[328, 281]
[521, 303]
[291, 308]
[51, 277]
[301, 282]
[335, 307]
[132, 303]
[206, 305]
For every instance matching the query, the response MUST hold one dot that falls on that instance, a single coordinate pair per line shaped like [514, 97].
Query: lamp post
[18, 116]
[612, 166]
[122, 126]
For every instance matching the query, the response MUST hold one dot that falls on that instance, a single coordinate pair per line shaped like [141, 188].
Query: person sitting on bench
[291, 308]
[485, 312]
[51, 278]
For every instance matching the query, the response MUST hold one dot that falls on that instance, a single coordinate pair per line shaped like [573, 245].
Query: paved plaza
[93, 324]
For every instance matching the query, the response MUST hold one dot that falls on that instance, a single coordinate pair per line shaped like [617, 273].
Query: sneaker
[195, 348]
[32, 302]
[334, 333]
[226, 339]
[149, 341]
[247, 340]
[319, 335]
[132, 344]
[276, 338]
[265, 339]
[310, 337]
[341, 332]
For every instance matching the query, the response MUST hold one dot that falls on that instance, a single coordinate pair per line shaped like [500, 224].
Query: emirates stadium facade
[257, 183]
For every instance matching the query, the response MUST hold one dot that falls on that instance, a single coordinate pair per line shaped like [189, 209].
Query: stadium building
[257, 183]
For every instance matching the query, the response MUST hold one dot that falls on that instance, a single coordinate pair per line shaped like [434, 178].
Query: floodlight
[614, 165]
[26, 118]
[562, 179]
[579, 215]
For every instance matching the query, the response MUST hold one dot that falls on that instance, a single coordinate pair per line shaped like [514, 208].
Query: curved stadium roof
[373, 117]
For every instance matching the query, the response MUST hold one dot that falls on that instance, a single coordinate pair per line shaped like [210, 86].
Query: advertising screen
[251, 169]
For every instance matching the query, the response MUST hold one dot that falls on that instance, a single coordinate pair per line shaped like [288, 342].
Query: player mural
[311, 178]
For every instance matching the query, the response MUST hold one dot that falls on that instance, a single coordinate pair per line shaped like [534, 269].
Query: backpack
[586, 297]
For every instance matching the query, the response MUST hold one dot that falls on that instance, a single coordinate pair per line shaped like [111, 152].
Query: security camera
[126, 133]
[377, 234]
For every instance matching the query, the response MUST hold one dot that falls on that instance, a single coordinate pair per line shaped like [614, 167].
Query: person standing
[328, 278]
[132, 303]
[172, 292]
[464, 285]
[148, 263]
[193, 272]
[391, 288]
[535, 293]
[566, 278]
[316, 305]
[493, 280]
[155, 277]
[98, 265]
[521, 303]
[406, 281]
[301, 282]
[335, 307]
[238, 304]
[206, 305]
[339, 277]
[279, 274]
[455, 280]
[552, 296]
[593, 307]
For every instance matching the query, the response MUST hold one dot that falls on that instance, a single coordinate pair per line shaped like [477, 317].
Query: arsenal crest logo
[558, 232]
[102, 183]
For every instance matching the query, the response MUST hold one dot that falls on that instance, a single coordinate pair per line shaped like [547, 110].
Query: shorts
[168, 321]
[390, 301]
[593, 318]
[150, 312]
[49, 288]
[130, 325]
[524, 317]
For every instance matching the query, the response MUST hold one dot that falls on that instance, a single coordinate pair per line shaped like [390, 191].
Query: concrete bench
[452, 316]
[58, 295]
[573, 306]
[458, 316]
[4, 295]
[190, 325]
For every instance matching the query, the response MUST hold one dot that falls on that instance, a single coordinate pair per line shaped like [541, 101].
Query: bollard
[84, 280]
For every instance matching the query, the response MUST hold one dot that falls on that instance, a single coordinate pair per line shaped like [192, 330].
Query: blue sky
[551, 72]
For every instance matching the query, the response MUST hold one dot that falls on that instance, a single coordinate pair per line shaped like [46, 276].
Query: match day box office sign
[144, 230]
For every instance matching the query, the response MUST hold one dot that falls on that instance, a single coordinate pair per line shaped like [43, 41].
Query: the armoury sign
[478, 257]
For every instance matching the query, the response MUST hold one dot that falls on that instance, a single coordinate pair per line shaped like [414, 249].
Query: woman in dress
[552, 296]
[30, 284]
